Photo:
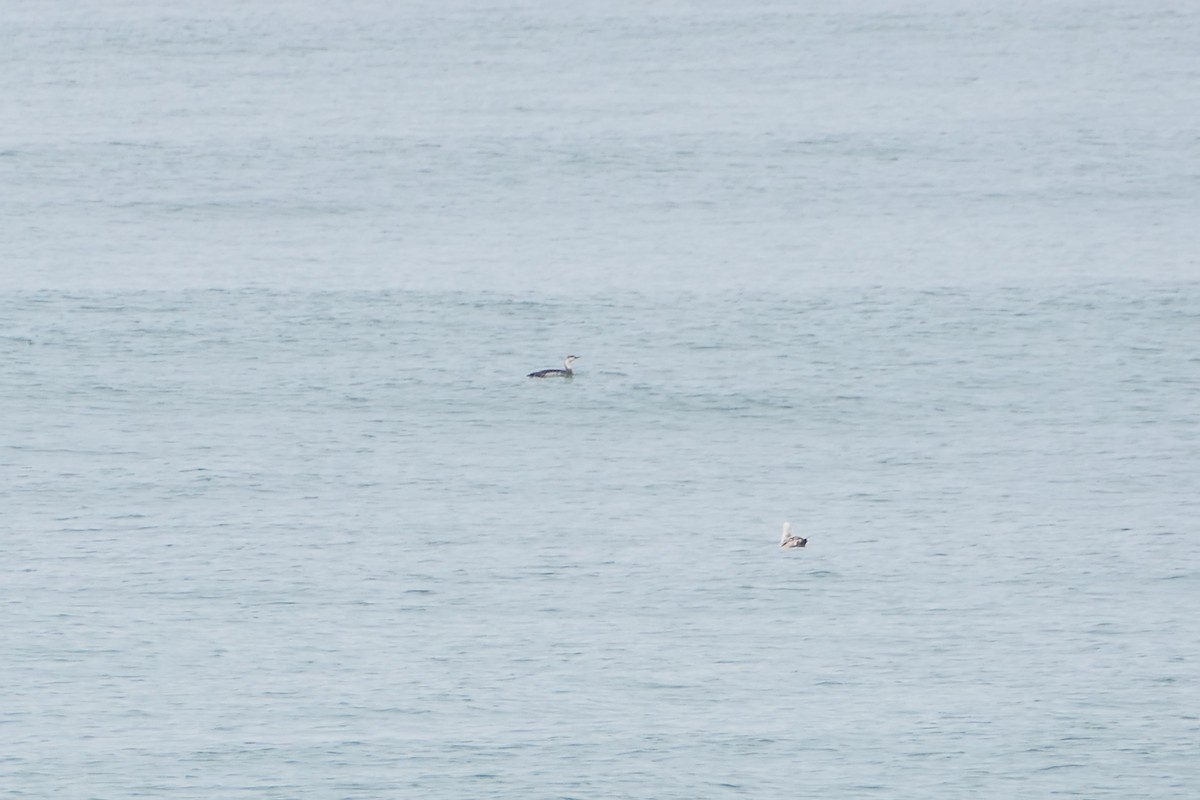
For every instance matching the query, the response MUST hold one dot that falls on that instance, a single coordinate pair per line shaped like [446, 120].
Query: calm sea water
[284, 518]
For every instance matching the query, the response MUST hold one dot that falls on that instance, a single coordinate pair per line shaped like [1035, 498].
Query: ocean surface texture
[283, 518]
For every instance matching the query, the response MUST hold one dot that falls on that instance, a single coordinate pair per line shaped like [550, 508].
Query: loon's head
[569, 360]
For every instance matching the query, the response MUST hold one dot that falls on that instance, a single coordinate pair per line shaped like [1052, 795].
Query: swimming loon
[565, 372]
[786, 539]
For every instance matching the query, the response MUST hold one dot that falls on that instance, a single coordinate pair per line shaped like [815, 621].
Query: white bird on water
[565, 372]
[786, 539]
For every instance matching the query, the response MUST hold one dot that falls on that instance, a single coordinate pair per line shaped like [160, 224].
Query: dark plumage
[565, 372]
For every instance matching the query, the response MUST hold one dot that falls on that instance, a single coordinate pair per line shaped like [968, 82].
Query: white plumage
[786, 539]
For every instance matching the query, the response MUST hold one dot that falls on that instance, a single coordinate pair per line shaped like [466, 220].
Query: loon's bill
[565, 372]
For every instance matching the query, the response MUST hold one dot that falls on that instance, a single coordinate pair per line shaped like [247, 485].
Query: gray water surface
[283, 518]
[293, 545]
